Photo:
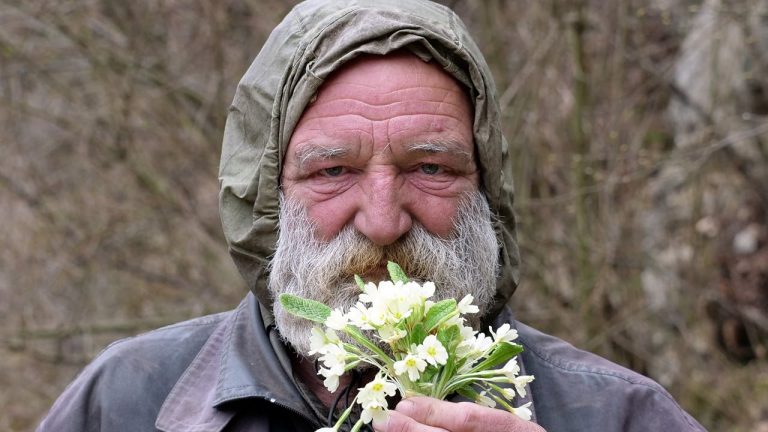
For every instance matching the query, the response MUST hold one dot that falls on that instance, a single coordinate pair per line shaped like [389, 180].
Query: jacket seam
[181, 325]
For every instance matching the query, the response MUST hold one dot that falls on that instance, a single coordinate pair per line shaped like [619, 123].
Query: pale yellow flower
[412, 364]
[432, 351]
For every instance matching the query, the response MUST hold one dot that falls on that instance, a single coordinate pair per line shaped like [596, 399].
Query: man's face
[381, 167]
[387, 142]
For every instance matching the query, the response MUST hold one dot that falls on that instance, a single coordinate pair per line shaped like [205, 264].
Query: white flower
[334, 358]
[319, 341]
[370, 293]
[366, 318]
[357, 317]
[395, 299]
[316, 341]
[391, 334]
[465, 306]
[412, 364]
[427, 289]
[432, 351]
[466, 346]
[331, 380]
[377, 413]
[508, 393]
[374, 393]
[484, 400]
[467, 333]
[327, 429]
[378, 295]
[523, 412]
[377, 315]
[411, 295]
[336, 320]
[511, 369]
[481, 343]
[399, 306]
[504, 333]
[520, 383]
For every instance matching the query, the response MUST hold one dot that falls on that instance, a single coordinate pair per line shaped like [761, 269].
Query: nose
[382, 216]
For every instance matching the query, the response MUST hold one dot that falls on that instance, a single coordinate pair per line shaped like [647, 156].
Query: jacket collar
[225, 370]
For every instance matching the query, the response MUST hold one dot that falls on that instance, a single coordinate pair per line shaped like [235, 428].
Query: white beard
[465, 263]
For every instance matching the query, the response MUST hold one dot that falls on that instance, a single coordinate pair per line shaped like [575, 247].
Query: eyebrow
[315, 152]
[452, 147]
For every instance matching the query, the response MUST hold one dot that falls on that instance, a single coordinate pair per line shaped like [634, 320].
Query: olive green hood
[314, 39]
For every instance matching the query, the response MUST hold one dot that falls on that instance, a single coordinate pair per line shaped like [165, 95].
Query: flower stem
[357, 426]
[344, 416]
[362, 340]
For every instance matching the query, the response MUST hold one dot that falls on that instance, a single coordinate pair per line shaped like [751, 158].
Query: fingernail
[405, 406]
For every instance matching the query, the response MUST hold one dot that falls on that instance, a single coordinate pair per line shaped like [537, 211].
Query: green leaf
[305, 308]
[501, 354]
[460, 362]
[396, 274]
[446, 372]
[360, 282]
[417, 334]
[428, 374]
[422, 388]
[468, 393]
[448, 337]
[437, 312]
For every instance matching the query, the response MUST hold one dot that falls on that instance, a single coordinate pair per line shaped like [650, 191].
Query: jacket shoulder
[577, 390]
[124, 387]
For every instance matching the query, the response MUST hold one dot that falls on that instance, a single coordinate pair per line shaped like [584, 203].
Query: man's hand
[425, 414]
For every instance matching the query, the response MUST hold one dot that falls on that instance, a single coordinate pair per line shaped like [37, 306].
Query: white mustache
[465, 263]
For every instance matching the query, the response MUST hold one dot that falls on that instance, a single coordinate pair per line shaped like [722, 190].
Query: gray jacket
[228, 372]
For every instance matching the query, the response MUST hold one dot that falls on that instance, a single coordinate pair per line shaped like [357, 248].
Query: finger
[397, 422]
[462, 416]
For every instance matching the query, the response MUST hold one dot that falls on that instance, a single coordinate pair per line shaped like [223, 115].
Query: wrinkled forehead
[410, 101]
[379, 79]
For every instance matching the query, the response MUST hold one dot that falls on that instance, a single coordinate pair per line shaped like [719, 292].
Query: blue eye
[333, 171]
[430, 168]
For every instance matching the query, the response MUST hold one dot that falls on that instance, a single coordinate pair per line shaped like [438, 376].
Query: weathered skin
[375, 117]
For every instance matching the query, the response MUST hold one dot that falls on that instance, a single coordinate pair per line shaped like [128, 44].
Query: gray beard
[465, 263]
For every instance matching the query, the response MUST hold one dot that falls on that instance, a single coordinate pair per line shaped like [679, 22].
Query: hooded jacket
[316, 38]
[230, 371]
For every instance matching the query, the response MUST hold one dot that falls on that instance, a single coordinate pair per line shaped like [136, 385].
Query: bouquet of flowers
[431, 351]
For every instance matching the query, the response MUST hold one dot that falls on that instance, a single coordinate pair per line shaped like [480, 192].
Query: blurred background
[639, 131]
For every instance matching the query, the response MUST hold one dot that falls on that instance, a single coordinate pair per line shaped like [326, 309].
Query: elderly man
[364, 131]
